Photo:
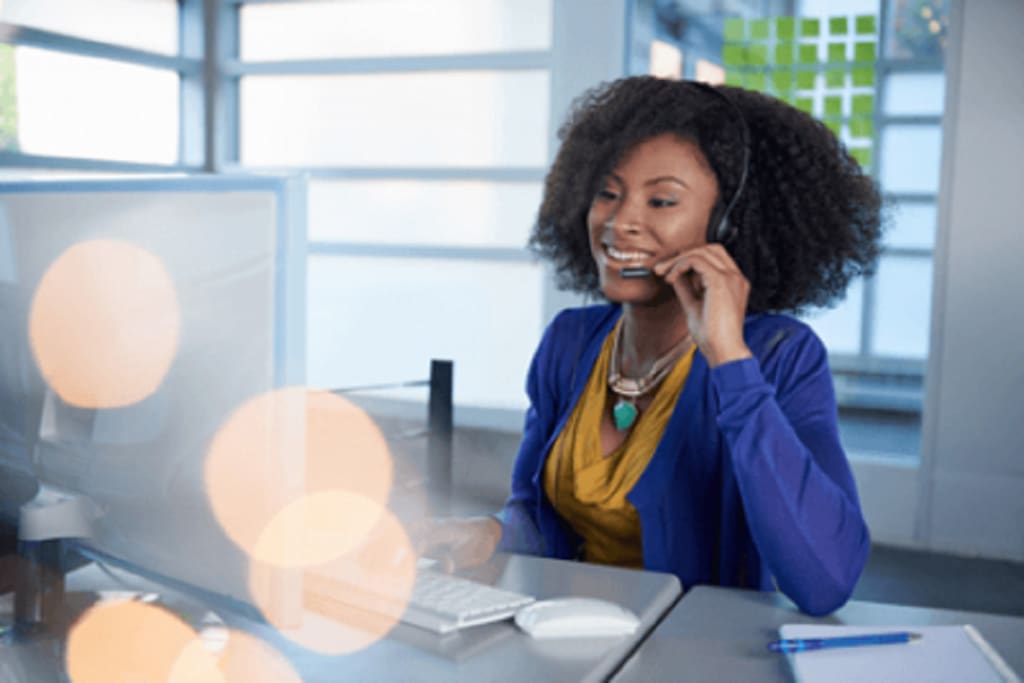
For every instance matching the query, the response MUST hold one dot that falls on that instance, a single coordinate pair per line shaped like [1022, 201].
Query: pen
[802, 644]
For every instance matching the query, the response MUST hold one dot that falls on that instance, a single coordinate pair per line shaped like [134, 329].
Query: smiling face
[653, 205]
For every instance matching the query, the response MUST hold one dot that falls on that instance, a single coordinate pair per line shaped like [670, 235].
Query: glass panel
[144, 24]
[365, 28]
[903, 297]
[913, 226]
[919, 30]
[911, 158]
[838, 8]
[435, 119]
[363, 312]
[423, 212]
[94, 108]
[666, 60]
[914, 94]
[839, 327]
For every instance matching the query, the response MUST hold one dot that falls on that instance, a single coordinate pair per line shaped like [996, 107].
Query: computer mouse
[576, 618]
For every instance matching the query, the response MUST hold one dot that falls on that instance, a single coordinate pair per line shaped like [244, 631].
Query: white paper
[944, 653]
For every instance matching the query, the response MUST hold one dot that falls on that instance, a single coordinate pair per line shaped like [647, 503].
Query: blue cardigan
[749, 485]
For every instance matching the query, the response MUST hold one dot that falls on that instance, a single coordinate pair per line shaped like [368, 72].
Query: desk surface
[719, 634]
[494, 652]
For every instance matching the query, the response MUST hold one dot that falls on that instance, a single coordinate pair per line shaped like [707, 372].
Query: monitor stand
[44, 522]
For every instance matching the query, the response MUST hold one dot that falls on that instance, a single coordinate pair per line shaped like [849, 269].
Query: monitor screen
[137, 317]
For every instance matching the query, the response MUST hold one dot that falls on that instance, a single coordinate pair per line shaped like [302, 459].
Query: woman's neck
[649, 331]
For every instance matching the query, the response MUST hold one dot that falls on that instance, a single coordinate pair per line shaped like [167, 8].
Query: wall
[971, 483]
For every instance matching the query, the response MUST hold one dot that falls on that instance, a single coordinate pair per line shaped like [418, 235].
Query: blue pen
[802, 644]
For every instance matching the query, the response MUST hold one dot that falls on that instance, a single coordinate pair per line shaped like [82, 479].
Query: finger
[721, 257]
[706, 263]
[688, 292]
[662, 267]
[431, 534]
[446, 563]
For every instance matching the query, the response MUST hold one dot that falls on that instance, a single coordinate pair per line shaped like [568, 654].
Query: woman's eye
[607, 194]
[659, 203]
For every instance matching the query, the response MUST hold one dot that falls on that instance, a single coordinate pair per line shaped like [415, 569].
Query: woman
[687, 426]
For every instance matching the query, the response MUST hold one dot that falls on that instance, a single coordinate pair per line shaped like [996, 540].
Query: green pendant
[624, 414]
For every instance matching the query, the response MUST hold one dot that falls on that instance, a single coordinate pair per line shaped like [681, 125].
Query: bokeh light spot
[277, 450]
[316, 528]
[248, 659]
[134, 641]
[352, 601]
[104, 324]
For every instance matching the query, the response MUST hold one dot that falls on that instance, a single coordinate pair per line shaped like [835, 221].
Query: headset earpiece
[720, 229]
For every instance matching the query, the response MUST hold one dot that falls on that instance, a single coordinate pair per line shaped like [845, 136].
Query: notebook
[944, 653]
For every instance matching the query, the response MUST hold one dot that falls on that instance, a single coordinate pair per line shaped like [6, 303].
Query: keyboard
[444, 603]
[440, 602]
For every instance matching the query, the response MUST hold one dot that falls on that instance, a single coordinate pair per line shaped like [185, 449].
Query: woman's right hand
[457, 543]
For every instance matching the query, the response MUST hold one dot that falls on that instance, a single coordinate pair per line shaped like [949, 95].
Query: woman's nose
[620, 224]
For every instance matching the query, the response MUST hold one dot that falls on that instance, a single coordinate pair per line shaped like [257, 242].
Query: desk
[719, 634]
[494, 652]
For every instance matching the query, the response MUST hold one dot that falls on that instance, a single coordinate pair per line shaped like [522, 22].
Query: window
[97, 86]
[424, 127]
[873, 72]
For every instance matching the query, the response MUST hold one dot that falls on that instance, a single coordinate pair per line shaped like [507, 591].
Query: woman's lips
[627, 258]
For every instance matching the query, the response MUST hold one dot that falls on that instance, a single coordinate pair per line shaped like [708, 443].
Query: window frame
[188, 64]
[232, 69]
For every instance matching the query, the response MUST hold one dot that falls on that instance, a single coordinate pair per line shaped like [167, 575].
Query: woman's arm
[798, 492]
[520, 531]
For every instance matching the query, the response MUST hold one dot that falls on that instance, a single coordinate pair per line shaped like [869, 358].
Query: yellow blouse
[587, 488]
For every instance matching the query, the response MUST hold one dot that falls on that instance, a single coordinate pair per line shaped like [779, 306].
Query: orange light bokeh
[354, 600]
[316, 528]
[264, 496]
[248, 659]
[104, 324]
[134, 641]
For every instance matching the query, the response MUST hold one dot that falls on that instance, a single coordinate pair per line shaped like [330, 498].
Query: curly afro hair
[807, 221]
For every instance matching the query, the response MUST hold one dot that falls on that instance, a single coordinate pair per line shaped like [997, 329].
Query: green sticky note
[734, 55]
[805, 80]
[835, 78]
[838, 26]
[805, 104]
[782, 81]
[756, 80]
[863, 104]
[810, 28]
[862, 155]
[759, 29]
[862, 127]
[833, 105]
[866, 24]
[785, 28]
[808, 54]
[784, 54]
[757, 55]
[863, 76]
[837, 52]
[733, 30]
[864, 52]
[835, 126]
[734, 78]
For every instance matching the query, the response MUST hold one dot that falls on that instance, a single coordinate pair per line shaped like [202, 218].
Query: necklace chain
[633, 388]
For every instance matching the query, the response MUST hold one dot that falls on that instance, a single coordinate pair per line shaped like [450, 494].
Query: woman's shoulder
[766, 333]
[583, 322]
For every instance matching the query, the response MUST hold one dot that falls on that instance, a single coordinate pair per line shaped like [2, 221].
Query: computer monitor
[233, 249]
[21, 401]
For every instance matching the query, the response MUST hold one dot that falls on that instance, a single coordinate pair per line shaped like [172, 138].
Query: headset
[719, 228]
